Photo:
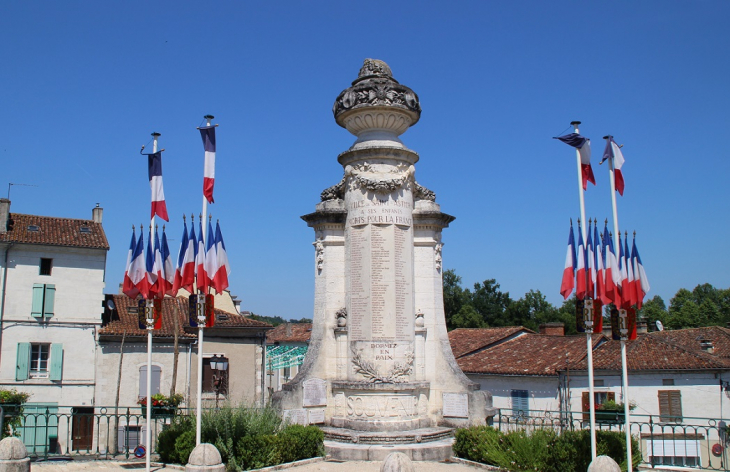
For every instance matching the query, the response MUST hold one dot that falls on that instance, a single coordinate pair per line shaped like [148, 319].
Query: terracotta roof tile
[55, 232]
[529, 354]
[466, 340]
[690, 339]
[290, 333]
[127, 319]
[648, 353]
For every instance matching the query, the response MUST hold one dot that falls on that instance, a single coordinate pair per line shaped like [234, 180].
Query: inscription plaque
[316, 415]
[315, 392]
[456, 405]
[297, 416]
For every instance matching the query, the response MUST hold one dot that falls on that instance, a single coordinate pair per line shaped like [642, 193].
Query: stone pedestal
[379, 354]
[205, 458]
[13, 456]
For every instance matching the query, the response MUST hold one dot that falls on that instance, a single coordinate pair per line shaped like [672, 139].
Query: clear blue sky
[85, 83]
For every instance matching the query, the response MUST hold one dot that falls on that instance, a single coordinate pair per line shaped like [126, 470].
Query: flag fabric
[223, 268]
[590, 266]
[623, 276]
[154, 167]
[613, 152]
[208, 135]
[191, 253]
[158, 268]
[568, 283]
[150, 271]
[630, 283]
[600, 292]
[612, 271]
[210, 256]
[180, 264]
[580, 274]
[128, 287]
[583, 145]
[642, 282]
[167, 265]
[201, 278]
[138, 271]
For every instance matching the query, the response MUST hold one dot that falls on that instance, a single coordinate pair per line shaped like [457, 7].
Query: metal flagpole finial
[606, 222]
[184, 220]
[210, 217]
[608, 136]
[155, 134]
[571, 222]
[209, 117]
[578, 221]
[634, 234]
[574, 123]
[192, 218]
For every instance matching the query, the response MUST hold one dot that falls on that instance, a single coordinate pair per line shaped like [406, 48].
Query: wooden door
[82, 429]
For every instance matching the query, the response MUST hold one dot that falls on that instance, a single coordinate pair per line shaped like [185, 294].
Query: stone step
[435, 451]
[415, 436]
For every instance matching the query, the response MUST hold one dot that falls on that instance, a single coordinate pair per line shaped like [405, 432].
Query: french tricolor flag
[201, 277]
[167, 265]
[138, 271]
[211, 261]
[613, 152]
[568, 283]
[208, 135]
[180, 268]
[154, 166]
[223, 268]
[613, 274]
[128, 287]
[583, 145]
[642, 282]
[581, 274]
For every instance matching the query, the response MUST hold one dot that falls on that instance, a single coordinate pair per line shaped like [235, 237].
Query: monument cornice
[325, 216]
[352, 156]
[431, 218]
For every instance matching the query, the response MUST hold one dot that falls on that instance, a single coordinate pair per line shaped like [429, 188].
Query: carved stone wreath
[335, 192]
[380, 186]
[422, 193]
[397, 374]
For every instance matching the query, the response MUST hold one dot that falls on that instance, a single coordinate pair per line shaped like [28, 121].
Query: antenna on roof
[10, 184]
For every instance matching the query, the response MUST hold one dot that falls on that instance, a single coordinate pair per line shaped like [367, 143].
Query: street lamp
[219, 365]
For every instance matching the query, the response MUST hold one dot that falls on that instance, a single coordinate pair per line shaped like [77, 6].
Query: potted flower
[12, 403]
[161, 404]
[612, 412]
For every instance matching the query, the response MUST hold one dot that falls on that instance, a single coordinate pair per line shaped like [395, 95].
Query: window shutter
[156, 374]
[664, 409]
[585, 403]
[520, 405]
[37, 308]
[22, 363]
[56, 361]
[49, 299]
[143, 381]
[611, 396]
[675, 405]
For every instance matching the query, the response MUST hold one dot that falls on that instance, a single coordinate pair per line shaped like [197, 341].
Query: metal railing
[699, 443]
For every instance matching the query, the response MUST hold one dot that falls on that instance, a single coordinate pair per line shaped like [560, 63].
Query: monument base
[425, 444]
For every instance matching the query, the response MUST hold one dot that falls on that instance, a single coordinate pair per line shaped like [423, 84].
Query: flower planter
[160, 411]
[11, 409]
[610, 417]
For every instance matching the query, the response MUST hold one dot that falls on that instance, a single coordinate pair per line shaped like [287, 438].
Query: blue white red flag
[154, 167]
[599, 266]
[180, 266]
[642, 282]
[583, 145]
[580, 274]
[128, 287]
[201, 277]
[590, 266]
[613, 152]
[630, 283]
[208, 135]
[138, 270]
[151, 269]
[167, 265]
[613, 273]
[211, 260]
[223, 268]
[568, 283]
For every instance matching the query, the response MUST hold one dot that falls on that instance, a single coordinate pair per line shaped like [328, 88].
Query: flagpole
[149, 319]
[201, 323]
[589, 329]
[623, 318]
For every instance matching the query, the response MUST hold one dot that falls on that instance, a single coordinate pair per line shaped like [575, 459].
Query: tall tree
[490, 302]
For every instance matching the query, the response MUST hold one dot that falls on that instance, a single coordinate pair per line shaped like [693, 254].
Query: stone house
[240, 339]
[52, 273]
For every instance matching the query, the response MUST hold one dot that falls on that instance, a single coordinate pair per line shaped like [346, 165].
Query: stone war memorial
[379, 375]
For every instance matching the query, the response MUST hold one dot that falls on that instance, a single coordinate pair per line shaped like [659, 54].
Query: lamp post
[219, 365]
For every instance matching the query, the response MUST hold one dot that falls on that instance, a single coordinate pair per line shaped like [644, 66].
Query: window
[156, 375]
[599, 398]
[670, 406]
[598, 383]
[46, 266]
[44, 296]
[675, 452]
[129, 437]
[39, 361]
[667, 381]
[208, 373]
[520, 404]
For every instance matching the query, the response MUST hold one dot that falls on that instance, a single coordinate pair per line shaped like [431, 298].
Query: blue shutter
[520, 405]
[143, 381]
[37, 309]
[56, 361]
[156, 375]
[49, 299]
[22, 366]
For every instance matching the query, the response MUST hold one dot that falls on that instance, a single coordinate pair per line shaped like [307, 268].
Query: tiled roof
[690, 339]
[649, 353]
[55, 232]
[466, 340]
[529, 354]
[290, 333]
[128, 321]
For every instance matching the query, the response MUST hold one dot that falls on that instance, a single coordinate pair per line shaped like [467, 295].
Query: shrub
[300, 442]
[184, 445]
[168, 436]
[257, 451]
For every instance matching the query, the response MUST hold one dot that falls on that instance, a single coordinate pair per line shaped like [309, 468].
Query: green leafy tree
[467, 317]
[490, 302]
[531, 311]
[703, 306]
[654, 310]
[455, 297]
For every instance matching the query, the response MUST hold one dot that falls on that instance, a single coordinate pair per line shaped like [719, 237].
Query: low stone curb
[291, 464]
[479, 465]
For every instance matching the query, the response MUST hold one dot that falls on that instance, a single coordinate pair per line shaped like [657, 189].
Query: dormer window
[34, 228]
[85, 230]
[45, 267]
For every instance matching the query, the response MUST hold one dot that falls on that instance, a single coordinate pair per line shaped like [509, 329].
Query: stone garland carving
[335, 192]
[405, 174]
[319, 249]
[377, 92]
[341, 316]
[438, 248]
[422, 193]
[374, 67]
[397, 374]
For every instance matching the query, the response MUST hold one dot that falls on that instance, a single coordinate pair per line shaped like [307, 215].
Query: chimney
[96, 214]
[553, 329]
[288, 330]
[707, 346]
[642, 327]
[4, 214]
